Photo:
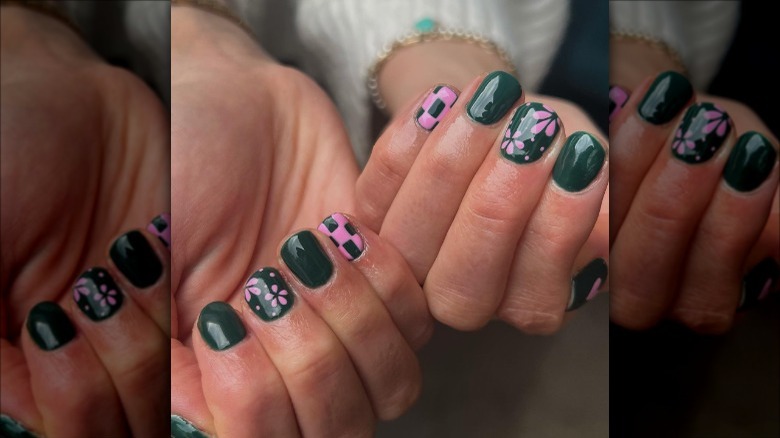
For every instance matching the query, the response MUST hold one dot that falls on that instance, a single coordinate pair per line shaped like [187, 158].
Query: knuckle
[704, 321]
[533, 322]
[491, 215]
[451, 306]
[316, 366]
[404, 393]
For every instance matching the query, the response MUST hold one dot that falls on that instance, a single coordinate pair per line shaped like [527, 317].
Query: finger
[190, 415]
[649, 253]
[491, 219]
[18, 412]
[313, 364]
[72, 389]
[395, 151]
[131, 347]
[638, 132]
[243, 389]
[387, 273]
[443, 170]
[346, 302]
[710, 288]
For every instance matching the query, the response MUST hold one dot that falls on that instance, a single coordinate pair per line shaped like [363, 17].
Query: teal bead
[425, 25]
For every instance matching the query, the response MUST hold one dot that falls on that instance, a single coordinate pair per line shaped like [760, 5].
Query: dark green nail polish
[133, 255]
[495, 95]
[13, 429]
[49, 326]
[759, 282]
[268, 295]
[750, 163]
[305, 257]
[97, 295]
[219, 326]
[585, 285]
[702, 131]
[667, 95]
[579, 162]
[530, 133]
[181, 428]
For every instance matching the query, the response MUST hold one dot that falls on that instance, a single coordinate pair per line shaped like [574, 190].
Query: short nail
[586, 284]
[494, 97]
[268, 295]
[97, 295]
[181, 428]
[530, 133]
[667, 96]
[343, 235]
[13, 429]
[750, 163]
[436, 106]
[617, 100]
[160, 226]
[306, 259]
[579, 162]
[758, 282]
[136, 259]
[219, 326]
[49, 326]
[701, 132]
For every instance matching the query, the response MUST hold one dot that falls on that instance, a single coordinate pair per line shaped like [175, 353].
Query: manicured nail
[268, 295]
[181, 428]
[530, 133]
[750, 162]
[702, 131]
[306, 259]
[585, 285]
[161, 227]
[136, 259]
[49, 326]
[666, 97]
[617, 100]
[758, 283]
[343, 235]
[436, 106]
[219, 326]
[13, 429]
[579, 162]
[97, 295]
[495, 95]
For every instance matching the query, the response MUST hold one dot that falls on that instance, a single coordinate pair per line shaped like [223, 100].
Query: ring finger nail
[617, 100]
[343, 235]
[268, 295]
[49, 326]
[750, 163]
[435, 107]
[579, 162]
[181, 428]
[759, 282]
[667, 95]
[97, 295]
[160, 226]
[530, 133]
[495, 95]
[306, 259]
[701, 132]
[219, 326]
[133, 255]
[585, 285]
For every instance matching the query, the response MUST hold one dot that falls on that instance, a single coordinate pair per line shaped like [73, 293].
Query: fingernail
[268, 295]
[617, 100]
[343, 235]
[161, 227]
[579, 162]
[585, 285]
[136, 259]
[495, 95]
[219, 326]
[758, 282]
[306, 259]
[13, 429]
[530, 133]
[750, 162]
[701, 132]
[667, 96]
[181, 428]
[97, 295]
[49, 326]
[436, 106]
